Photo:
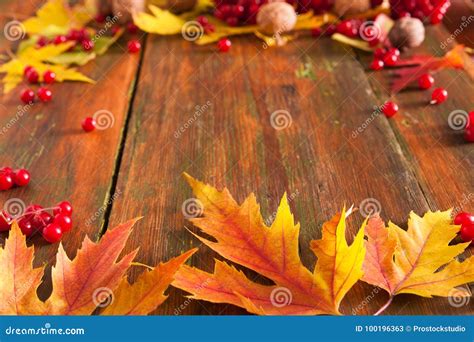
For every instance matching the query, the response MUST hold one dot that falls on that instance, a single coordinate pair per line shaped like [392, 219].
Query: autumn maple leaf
[243, 238]
[419, 260]
[79, 285]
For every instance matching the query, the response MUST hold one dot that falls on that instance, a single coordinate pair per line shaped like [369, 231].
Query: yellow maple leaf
[56, 17]
[419, 260]
[37, 58]
[242, 237]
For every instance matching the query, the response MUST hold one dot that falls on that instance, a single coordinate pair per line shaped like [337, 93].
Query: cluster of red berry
[206, 25]
[10, 178]
[238, 12]
[38, 219]
[466, 221]
[431, 11]
[32, 76]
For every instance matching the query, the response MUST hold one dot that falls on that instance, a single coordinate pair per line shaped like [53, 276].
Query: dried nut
[344, 7]
[407, 32]
[276, 18]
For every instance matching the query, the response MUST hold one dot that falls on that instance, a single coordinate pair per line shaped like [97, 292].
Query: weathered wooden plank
[66, 163]
[323, 160]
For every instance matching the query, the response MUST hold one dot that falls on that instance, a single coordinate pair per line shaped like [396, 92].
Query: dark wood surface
[411, 162]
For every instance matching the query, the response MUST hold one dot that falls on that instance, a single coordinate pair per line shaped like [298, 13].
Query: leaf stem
[383, 308]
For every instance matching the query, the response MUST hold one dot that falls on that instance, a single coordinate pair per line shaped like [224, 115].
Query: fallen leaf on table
[19, 279]
[410, 69]
[242, 237]
[56, 17]
[82, 284]
[148, 291]
[38, 58]
[160, 21]
[419, 260]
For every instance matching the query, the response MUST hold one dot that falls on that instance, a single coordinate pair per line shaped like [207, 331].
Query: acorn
[407, 32]
[349, 7]
[276, 18]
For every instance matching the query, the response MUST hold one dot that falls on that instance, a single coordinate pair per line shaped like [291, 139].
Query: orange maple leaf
[243, 238]
[81, 285]
[419, 260]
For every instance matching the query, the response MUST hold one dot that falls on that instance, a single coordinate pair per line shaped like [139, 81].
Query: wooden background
[411, 162]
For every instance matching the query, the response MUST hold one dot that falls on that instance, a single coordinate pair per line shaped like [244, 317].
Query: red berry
[330, 30]
[21, 177]
[64, 222]
[33, 209]
[376, 64]
[42, 41]
[27, 69]
[439, 95]
[88, 124]
[134, 46]
[49, 76]
[467, 233]
[132, 28]
[27, 96]
[464, 219]
[6, 181]
[5, 221]
[469, 130]
[425, 81]
[390, 59]
[52, 233]
[100, 18]
[202, 20]
[347, 28]
[379, 53]
[316, 32]
[59, 39]
[26, 226]
[87, 45]
[44, 94]
[394, 51]
[390, 109]
[32, 76]
[64, 208]
[224, 44]
[436, 17]
[7, 170]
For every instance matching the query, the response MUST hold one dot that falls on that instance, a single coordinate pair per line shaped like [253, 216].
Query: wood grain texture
[209, 114]
[66, 163]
